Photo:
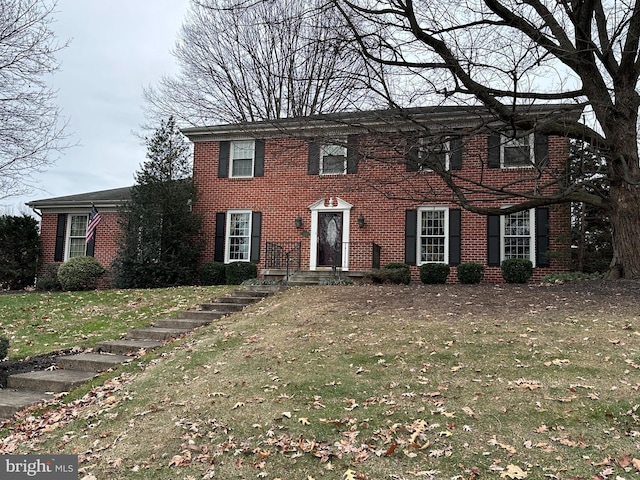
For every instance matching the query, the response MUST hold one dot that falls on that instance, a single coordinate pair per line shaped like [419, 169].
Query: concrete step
[186, 323]
[157, 333]
[244, 301]
[201, 315]
[12, 401]
[91, 362]
[49, 380]
[126, 347]
[221, 307]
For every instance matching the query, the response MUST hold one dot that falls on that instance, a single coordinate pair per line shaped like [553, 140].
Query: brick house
[63, 225]
[354, 191]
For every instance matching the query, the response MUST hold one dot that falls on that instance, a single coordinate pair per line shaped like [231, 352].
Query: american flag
[94, 220]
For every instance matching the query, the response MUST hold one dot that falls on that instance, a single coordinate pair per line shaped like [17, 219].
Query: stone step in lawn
[12, 401]
[221, 307]
[201, 315]
[126, 347]
[49, 380]
[188, 323]
[157, 333]
[244, 301]
[91, 362]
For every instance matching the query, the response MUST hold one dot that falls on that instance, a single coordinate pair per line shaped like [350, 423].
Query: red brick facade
[380, 192]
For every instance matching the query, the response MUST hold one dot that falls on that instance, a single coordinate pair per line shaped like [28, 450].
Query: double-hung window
[433, 235]
[333, 159]
[242, 158]
[517, 239]
[433, 155]
[76, 236]
[517, 151]
[238, 236]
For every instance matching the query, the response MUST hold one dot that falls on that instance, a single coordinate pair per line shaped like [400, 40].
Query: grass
[39, 323]
[370, 382]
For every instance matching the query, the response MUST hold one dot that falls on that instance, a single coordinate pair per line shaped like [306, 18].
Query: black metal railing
[283, 256]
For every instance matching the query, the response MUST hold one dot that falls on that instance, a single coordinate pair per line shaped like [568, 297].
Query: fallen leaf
[513, 471]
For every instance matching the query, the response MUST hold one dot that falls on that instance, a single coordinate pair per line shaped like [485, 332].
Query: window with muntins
[76, 236]
[242, 158]
[431, 155]
[238, 236]
[433, 235]
[517, 235]
[517, 151]
[333, 159]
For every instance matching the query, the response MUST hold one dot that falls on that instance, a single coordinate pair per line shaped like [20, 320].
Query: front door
[329, 239]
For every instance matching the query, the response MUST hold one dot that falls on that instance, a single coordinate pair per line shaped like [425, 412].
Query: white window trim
[227, 236]
[424, 146]
[532, 236]
[67, 242]
[341, 143]
[419, 233]
[232, 158]
[503, 141]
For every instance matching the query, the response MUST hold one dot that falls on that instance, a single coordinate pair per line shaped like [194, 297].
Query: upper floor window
[242, 158]
[76, 236]
[517, 237]
[433, 235]
[517, 151]
[333, 159]
[432, 155]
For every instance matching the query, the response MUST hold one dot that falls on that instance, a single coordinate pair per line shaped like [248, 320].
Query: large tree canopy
[30, 125]
[508, 53]
[247, 61]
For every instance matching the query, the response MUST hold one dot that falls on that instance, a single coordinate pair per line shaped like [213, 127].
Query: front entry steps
[31, 388]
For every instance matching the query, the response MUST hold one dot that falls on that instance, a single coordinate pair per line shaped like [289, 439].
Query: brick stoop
[31, 388]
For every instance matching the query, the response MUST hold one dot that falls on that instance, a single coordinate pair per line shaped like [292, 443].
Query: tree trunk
[625, 222]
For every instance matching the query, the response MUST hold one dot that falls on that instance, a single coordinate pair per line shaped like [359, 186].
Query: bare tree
[505, 54]
[30, 122]
[244, 60]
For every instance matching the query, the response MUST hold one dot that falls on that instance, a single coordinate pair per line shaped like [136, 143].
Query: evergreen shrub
[80, 273]
[4, 347]
[470, 272]
[48, 279]
[212, 273]
[238, 272]
[434, 273]
[516, 270]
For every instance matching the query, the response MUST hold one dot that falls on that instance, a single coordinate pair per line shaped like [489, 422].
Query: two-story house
[354, 191]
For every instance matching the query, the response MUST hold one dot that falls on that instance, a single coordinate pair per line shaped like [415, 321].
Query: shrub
[470, 272]
[4, 347]
[212, 273]
[19, 251]
[80, 273]
[434, 273]
[398, 273]
[238, 272]
[48, 278]
[516, 270]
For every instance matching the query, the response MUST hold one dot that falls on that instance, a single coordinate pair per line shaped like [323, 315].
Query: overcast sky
[117, 47]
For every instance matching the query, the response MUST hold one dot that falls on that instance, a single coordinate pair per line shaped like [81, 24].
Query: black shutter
[352, 154]
[493, 240]
[313, 166]
[91, 246]
[258, 168]
[493, 150]
[256, 230]
[223, 161]
[412, 154]
[455, 235]
[455, 153]
[218, 248]
[410, 236]
[541, 149]
[58, 254]
[542, 237]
